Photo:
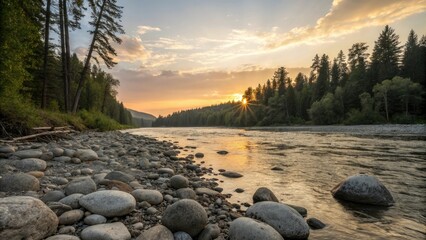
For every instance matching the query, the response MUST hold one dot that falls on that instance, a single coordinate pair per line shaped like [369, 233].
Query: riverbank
[148, 174]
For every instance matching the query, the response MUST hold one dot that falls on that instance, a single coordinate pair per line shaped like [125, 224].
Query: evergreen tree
[280, 76]
[321, 86]
[343, 68]
[300, 81]
[413, 61]
[335, 75]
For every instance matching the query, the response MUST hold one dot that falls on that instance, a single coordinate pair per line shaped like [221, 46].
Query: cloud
[348, 16]
[144, 29]
[131, 49]
[170, 44]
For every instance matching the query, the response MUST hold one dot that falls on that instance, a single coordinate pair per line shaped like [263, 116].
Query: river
[315, 159]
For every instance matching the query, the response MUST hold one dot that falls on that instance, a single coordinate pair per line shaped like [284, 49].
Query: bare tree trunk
[386, 106]
[87, 61]
[67, 56]
[46, 55]
[63, 55]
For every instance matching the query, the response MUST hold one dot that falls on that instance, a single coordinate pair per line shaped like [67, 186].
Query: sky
[182, 54]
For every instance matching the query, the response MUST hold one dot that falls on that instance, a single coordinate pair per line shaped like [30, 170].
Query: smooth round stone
[46, 156]
[71, 217]
[157, 232]
[244, 228]
[301, 210]
[26, 218]
[167, 171]
[151, 210]
[58, 208]
[138, 226]
[287, 221]
[185, 215]
[153, 197]
[84, 185]
[57, 151]
[179, 181]
[363, 189]
[72, 200]
[59, 180]
[62, 159]
[30, 164]
[211, 231]
[207, 191]
[53, 196]
[94, 219]
[19, 182]
[120, 176]
[30, 153]
[109, 203]
[264, 194]
[7, 149]
[199, 155]
[86, 155]
[183, 236]
[86, 171]
[37, 174]
[222, 152]
[186, 193]
[63, 237]
[144, 163]
[108, 231]
[315, 223]
[231, 174]
[66, 230]
[69, 152]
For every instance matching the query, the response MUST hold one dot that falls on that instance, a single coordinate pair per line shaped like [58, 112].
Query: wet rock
[181, 236]
[86, 155]
[186, 193]
[30, 164]
[301, 210]
[26, 218]
[53, 196]
[19, 182]
[211, 231]
[63, 237]
[109, 203]
[207, 191]
[363, 189]
[151, 196]
[72, 200]
[84, 185]
[167, 171]
[264, 194]
[108, 231]
[199, 155]
[179, 181]
[239, 190]
[185, 215]
[277, 168]
[156, 232]
[30, 153]
[170, 153]
[281, 217]
[315, 223]
[222, 152]
[120, 176]
[231, 174]
[71, 217]
[94, 219]
[244, 228]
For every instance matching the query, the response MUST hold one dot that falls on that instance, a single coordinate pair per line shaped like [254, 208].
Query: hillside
[141, 119]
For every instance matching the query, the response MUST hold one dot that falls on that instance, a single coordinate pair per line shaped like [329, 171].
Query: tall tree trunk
[87, 62]
[46, 55]
[63, 55]
[104, 98]
[386, 106]
[67, 55]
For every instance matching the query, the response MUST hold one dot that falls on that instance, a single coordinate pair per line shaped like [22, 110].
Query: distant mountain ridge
[141, 119]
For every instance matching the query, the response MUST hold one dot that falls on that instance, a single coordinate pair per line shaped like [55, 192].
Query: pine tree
[343, 68]
[321, 86]
[335, 75]
[412, 61]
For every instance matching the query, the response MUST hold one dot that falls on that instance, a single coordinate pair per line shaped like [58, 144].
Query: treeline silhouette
[387, 86]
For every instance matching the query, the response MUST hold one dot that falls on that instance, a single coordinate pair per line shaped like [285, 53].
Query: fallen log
[37, 135]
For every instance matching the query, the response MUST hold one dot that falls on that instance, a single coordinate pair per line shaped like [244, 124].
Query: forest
[387, 86]
[41, 82]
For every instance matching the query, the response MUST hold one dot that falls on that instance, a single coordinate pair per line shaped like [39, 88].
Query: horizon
[189, 54]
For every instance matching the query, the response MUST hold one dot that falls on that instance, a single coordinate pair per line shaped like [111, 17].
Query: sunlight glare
[237, 97]
[244, 102]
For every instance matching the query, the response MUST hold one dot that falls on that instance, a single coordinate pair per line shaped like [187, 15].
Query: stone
[86, 155]
[138, 226]
[59, 180]
[30, 153]
[58, 208]
[199, 155]
[24, 217]
[7, 149]
[37, 174]
[109, 203]
[94, 219]
[222, 152]
[186, 193]
[57, 151]
[108, 231]
[211, 231]
[63, 237]
[46, 156]
[116, 185]
[239, 190]
[277, 168]
[170, 153]
[264, 194]
[72, 200]
[244, 228]
[167, 171]
[69, 152]
[156, 232]
[185, 215]
[71, 217]
[179, 181]
[153, 197]
[53, 196]
[231, 174]
[84, 185]
[66, 230]
[181, 236]
[363, 189]
[87, 171]
[30, 164]
[315, 223]
[62, 159]
[19, 182]
[301, 210]
[120, 176]
[144, 163]
[151, 210]
[207, 191]
[287, 221]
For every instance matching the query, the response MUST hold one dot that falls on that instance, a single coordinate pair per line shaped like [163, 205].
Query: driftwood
[46, 134]
[51, 128]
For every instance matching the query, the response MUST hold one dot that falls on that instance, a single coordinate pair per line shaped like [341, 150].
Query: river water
[314, 160]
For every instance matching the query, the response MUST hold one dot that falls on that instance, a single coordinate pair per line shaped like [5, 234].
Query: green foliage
[97, 120]
[323, 112]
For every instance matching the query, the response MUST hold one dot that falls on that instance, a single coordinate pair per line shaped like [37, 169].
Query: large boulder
[19, 182]
[108, 231]
[26, 218]
[153, 197]
[86, 155]
[363, 189]
[287, 221]
[264, 194]
[244, 228]
[109, 203]
[30, 164]
[156, 232]
[83, 185]
[185, 215]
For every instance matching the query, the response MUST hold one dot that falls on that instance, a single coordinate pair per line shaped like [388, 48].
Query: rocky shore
[120, 186]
